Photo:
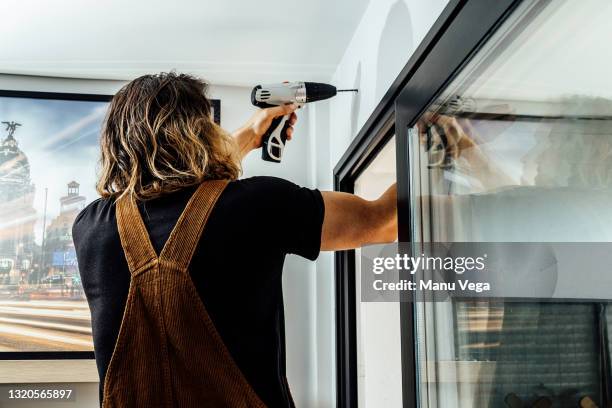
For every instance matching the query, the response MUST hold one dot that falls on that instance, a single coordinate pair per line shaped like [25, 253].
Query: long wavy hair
[159, 137]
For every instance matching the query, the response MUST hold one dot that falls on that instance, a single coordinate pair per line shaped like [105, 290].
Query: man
[165, 164]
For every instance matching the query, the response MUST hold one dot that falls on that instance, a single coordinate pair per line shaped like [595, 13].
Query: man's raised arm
[351, 222]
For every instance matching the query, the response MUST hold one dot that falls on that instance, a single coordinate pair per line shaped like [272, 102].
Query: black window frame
[460, 30]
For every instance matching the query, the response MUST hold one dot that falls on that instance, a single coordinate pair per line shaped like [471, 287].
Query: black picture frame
[216, 106]
[215, 103]
[51, 355]
[55, 95]
[460, 30]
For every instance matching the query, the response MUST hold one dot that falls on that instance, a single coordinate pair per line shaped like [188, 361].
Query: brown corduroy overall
[168, 352]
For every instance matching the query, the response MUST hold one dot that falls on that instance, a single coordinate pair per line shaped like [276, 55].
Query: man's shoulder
[266, 185]
[273, 192]
[266, 190]
[95, 214]
[264, 181]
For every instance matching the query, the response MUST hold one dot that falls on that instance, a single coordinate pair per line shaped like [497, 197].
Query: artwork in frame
[48, 155]
[48, 160]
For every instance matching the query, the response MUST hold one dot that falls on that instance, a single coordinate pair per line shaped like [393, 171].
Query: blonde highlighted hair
[159, 137]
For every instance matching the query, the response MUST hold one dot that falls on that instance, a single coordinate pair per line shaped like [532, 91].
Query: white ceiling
[233, 42]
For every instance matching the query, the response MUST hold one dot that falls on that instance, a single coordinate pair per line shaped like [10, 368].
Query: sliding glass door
[502, 121]
[518, 148]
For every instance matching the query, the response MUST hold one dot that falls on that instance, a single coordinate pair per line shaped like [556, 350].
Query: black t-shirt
[236, 269]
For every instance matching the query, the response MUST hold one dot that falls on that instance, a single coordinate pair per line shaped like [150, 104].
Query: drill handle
[273, 141]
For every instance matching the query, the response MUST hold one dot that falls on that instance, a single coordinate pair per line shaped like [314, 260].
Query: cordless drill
[300, 93]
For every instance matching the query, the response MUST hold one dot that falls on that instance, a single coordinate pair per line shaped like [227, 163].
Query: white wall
[386, 37]
[299, 274]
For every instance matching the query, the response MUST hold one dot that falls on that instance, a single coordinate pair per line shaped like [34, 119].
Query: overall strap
[135, 240]
[185, 236]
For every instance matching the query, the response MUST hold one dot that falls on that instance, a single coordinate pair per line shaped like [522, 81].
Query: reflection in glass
[519, 149]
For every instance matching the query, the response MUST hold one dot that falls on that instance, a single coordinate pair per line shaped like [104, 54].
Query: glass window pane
[379, 371]
[518, 148]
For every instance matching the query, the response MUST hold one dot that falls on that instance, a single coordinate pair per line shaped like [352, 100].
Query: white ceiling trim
[221, 73]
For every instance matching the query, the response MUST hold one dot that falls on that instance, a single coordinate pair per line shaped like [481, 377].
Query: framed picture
[48, 155]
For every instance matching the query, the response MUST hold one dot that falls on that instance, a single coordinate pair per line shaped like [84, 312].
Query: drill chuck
[316, 91]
